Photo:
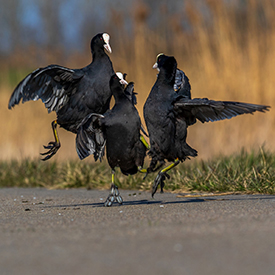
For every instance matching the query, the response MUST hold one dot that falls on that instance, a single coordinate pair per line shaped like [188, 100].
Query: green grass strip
[252, 172]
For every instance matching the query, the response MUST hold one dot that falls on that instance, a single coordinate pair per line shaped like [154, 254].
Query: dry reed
[227, 51]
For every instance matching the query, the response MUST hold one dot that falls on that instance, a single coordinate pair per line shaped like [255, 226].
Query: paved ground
[70, 232]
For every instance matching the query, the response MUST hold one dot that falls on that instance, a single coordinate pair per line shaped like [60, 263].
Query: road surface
[71, 232]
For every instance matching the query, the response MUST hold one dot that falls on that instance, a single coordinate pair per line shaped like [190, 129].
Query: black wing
[206, 110]
[182, 85]
[129, 92]
[90, 138]
[52, 84]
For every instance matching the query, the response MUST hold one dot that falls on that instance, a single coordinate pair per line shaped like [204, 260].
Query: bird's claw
[114, 196]
[50, 145]
[159, 180]
[52, 149]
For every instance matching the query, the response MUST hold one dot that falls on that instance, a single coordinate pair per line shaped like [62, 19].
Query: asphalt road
[71, 232]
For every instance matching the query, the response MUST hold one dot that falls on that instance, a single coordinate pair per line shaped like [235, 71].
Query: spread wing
[53, 85]
[206, 110]
[182, 85]
[90, 137]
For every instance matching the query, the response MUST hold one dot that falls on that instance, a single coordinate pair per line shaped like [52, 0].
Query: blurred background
[226, 48]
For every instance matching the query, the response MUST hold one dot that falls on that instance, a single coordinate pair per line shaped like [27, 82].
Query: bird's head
[161, 57]
[101, 40]
[122, 78]
[166, 66]
[117, 86]
[117, 81]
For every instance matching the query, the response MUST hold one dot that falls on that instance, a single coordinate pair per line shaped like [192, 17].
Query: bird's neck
[166, 78]
[98, 52]
[118, 95]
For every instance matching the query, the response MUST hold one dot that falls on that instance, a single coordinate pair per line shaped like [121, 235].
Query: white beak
[106, 38]
[123, 82]
[108, 48]
[155, 66]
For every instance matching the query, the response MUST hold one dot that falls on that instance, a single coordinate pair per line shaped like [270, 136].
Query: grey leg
[114, 194]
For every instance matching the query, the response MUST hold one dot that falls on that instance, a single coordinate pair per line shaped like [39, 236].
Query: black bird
[131, 95]
[71, 93]
[128, 88]
[118, 129]
[167, 116]
[181, 85]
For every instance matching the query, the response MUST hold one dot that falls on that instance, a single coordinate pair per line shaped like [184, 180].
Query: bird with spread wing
[168, 113]
[71, 93]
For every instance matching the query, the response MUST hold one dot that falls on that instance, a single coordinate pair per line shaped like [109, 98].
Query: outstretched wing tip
[206, 110]
[51, 84]
[266, 108]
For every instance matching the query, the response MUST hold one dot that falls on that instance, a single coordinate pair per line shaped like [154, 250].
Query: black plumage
[168, 114]
[129, 92]
[118, 129]
[71, 93]
[128, 88]
[181, 84]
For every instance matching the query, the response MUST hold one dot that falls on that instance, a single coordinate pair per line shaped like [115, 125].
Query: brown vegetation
[227, 51]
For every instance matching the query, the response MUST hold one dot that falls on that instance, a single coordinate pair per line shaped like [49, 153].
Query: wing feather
[90, 137]
[207, 110]
[182, 85]
[129, 92]
[52, 84]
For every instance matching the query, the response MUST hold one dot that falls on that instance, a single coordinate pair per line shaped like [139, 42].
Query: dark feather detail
[129, 92]
[131, 95]
[53, 85]
[182, 85]
[206, 110]
[90, 138]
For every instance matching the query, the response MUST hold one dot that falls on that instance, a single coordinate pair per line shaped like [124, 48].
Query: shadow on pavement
[125, 203]
[177, 201]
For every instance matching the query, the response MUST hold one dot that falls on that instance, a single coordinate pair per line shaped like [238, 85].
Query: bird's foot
[147, 171]
[52, 149]
[114, 196]
[152, 169]
[159, 180]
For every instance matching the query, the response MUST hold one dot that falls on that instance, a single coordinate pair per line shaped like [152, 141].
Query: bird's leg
[114, 194]
[142, 139]
[162, 175]
[151, 168]
[140, 168]
[52, 146]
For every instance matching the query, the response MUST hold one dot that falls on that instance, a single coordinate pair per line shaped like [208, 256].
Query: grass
[244, 172]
